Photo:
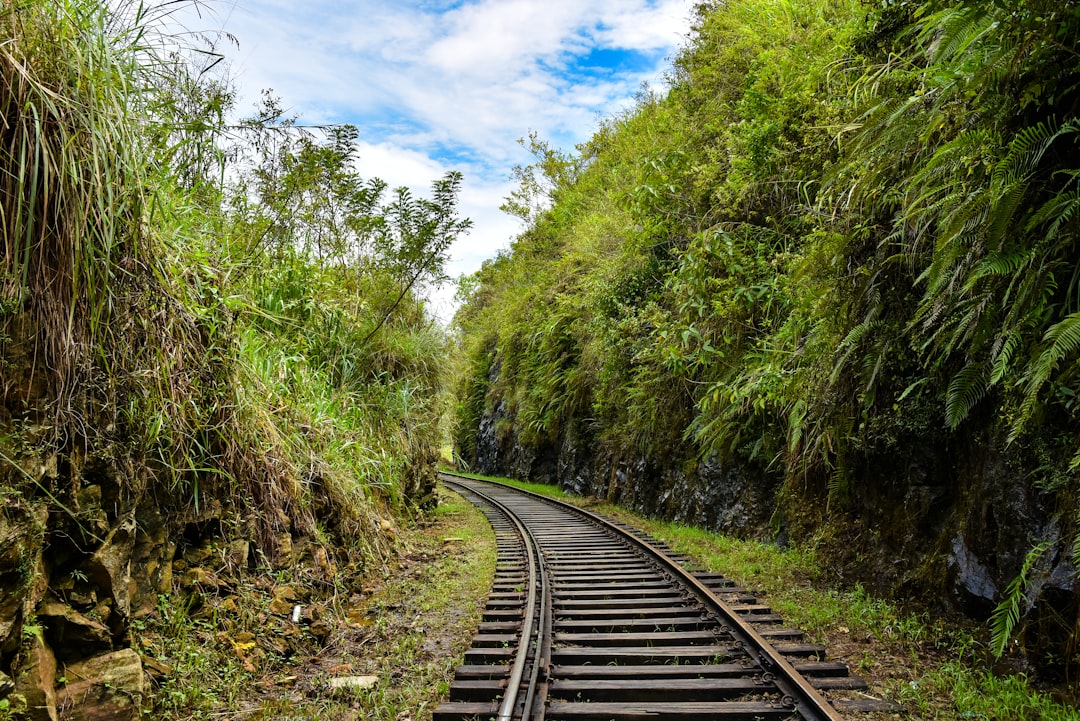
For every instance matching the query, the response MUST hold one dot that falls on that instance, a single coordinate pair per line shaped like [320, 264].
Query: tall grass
[73, 186]
[138, 329]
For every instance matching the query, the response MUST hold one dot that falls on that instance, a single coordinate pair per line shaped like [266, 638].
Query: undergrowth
[938, 669]
[225, 306]
[229, 654]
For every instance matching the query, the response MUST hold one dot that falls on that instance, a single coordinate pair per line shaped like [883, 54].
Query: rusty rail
[537, 595]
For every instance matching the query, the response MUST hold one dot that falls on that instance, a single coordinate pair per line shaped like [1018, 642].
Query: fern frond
[838, 486]
[850, 344]
[1003, 357]
[912, 388]
[1000, 263]
[953, 31]
[1027, 148]
[796, 426]
[1007, 614]
[1056, 212]
[967, 388]
[1003, 207]
[1064, 340]
[964, 328]
[872, 365]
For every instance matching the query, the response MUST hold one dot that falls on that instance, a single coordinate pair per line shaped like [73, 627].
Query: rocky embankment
[950, 524]
[78, 569]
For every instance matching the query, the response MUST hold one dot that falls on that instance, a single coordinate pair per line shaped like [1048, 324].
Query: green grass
[409, 626]
[542, 489]
[936, 668]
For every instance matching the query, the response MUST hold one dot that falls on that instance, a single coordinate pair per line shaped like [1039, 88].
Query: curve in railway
[590, 620]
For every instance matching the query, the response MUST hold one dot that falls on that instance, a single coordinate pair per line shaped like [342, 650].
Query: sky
[439, 85]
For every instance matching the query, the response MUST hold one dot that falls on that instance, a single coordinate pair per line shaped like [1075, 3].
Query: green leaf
[1007, 614]
[967, 388]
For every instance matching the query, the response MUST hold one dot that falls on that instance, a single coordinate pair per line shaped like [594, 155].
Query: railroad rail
[589, 620]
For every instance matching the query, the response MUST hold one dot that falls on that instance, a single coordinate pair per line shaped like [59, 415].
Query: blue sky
[438, 85]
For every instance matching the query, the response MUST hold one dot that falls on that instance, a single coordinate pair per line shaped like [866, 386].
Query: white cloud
[648, 28]
[439, 85]
[398, 165]
[495, 38]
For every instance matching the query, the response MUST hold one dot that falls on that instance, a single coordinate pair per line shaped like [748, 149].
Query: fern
[1000, 264]
[1007, 614]
[1056, 212]
[1005, 348]
[796, 426]
[953, 32]
[872, 364]
[851, 343]
[1063, 341]
[839, 485]
[1026, 150]
[967, 388]
[912, 388]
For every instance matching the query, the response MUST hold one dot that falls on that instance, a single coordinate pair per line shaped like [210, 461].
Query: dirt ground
[383, 646]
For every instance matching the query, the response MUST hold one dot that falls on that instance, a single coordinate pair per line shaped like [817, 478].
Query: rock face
[710, 494]
[66, 587]
[82, 561]
[103, 688]
[22, 532]
[109, 568]
[35, 681]
[151, 556]
[950, 521]
[76, 565]
[71, 633]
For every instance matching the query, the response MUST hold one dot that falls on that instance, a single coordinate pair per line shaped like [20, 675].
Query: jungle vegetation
[845, 229]
[210, 309]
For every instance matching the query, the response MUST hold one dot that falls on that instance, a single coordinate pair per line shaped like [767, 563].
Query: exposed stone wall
[82, 555]
[69, 589]
[728, 498]
[949, 523]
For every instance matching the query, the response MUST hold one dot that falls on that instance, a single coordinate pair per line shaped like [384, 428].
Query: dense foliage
[848, 230]
[205, 311]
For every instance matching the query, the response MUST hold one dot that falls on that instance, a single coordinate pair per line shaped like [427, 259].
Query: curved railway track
[589, 620]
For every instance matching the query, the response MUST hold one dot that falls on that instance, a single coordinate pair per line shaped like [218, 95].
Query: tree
[539, 182]
[304, 195]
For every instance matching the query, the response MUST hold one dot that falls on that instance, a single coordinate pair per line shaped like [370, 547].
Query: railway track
[589, 620]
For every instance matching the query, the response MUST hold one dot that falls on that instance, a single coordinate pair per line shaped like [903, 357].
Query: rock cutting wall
[950, 524]
[76, 569]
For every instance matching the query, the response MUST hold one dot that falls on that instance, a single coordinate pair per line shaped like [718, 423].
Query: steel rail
[541, 658]
[513, 684]
[806, 699]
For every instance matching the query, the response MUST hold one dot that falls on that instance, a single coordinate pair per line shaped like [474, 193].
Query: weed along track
[590, 620]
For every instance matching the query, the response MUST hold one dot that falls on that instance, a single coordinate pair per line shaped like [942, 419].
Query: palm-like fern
[1007, 614]
[983, 211]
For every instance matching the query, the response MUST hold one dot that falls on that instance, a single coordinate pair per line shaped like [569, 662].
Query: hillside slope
[824, 290]
[214, 358]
